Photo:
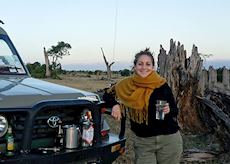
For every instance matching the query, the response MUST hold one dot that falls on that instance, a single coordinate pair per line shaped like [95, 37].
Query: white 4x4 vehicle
[34, 108]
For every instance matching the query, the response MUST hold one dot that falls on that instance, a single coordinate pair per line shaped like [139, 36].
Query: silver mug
[159, 109]
[72, 135]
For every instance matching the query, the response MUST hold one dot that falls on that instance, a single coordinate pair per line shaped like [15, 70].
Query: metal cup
[71, 136]
[159, 109]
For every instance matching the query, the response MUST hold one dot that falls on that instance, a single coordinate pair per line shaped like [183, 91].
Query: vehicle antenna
[115, 29]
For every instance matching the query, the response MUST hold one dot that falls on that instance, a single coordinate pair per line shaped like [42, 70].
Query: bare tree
[108, 66]
[48, 72]
[205, 56]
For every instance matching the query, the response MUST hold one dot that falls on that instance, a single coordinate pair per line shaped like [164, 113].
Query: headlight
[3, 125]
[90, 98]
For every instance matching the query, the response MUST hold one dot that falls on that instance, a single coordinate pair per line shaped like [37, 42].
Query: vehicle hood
[27, 92]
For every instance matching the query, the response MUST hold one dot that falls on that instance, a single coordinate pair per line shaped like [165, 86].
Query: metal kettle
[72, 135]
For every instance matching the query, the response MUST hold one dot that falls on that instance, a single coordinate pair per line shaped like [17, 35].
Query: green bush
[125, 72]
[37, 70]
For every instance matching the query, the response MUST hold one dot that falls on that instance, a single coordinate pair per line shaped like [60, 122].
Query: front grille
[68, 115]
[41, 130]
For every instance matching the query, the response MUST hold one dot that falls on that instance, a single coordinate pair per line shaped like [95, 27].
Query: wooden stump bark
[183, 76]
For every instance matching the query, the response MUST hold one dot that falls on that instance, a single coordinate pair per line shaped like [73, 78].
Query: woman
[157, 141]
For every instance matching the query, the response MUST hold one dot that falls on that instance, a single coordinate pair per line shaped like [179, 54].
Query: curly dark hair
[144, 52]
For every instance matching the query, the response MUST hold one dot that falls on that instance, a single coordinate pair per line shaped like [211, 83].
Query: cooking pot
[72, 136]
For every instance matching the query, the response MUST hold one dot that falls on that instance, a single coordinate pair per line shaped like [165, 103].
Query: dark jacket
[155, 127]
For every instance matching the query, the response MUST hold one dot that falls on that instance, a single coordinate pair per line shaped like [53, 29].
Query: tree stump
[183, 76]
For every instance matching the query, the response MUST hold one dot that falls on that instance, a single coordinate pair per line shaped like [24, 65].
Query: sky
[121, 27]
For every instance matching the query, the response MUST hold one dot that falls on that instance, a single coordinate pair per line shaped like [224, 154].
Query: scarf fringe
[137, 116]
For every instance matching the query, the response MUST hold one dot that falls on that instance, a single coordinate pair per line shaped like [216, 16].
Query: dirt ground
[195, 146]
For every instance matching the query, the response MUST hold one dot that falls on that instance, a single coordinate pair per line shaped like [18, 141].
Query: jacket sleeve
[109, 97]
[172, 103]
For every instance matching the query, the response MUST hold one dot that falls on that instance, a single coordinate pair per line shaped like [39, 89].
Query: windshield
[9, 63]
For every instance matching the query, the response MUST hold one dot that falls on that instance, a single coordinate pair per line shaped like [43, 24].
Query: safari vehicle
[37, 111]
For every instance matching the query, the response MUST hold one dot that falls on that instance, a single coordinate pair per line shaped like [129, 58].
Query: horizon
[117, 66]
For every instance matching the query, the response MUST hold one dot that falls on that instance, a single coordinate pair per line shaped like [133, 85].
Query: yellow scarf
[133, 93]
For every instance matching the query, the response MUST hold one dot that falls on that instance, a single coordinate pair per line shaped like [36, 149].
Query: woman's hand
[166, 108]
[116, 112]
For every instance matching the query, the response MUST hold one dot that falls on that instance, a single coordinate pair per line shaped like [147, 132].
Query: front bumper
[106, 152]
